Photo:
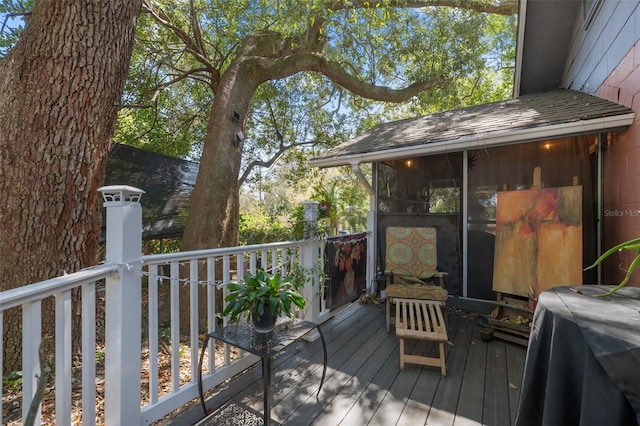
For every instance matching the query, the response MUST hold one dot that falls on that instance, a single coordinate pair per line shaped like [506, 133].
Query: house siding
[604, 60]
[596, 52]
[621, 167]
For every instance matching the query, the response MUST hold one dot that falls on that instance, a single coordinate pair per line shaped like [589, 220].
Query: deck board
[496, 402]
[364, 384]
[446, 399]
[393, 403]
[343, 363]
[383, 346]
[367, 405]
[471, 399]
[289, 395]
[515, 367]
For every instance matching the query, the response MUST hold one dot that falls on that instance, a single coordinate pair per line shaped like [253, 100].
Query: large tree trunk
[60, 89]
[211, 223]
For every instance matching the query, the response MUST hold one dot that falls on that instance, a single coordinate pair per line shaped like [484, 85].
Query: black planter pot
[264, 323]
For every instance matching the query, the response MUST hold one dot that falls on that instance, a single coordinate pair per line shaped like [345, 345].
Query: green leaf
[627, 245]
[627, 277]
[633, 244]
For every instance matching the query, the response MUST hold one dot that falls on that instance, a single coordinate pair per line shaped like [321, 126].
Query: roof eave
[509, 137]
[522, 15]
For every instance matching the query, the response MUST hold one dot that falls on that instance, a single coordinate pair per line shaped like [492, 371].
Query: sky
[8, 26]
[9, 21]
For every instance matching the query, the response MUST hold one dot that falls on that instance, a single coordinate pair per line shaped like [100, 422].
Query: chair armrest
[441, 276]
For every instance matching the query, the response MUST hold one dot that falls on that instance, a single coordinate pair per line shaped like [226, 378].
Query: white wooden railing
[124, 288]
[29, 300]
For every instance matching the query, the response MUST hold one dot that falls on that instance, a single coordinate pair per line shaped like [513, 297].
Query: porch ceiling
[546, 28]
[528, 118]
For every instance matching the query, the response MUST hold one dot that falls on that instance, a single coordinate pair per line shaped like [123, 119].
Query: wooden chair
[411, 266]
[421, 319]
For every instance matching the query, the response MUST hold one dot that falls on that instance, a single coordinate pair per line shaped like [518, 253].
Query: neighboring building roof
[538, 116]
[167, 182]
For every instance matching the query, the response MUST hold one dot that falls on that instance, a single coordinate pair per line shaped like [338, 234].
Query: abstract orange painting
[538, 240]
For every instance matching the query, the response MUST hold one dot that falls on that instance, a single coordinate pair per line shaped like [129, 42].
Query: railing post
[123, 305]
[309, 260]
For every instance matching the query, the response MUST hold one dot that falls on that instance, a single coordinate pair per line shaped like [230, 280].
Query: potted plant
[634, 245]
[263, 297]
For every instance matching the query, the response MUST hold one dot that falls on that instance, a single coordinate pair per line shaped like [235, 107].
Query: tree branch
[315, 40]
[182, 74]
[506, 7]
[12, 15]
[197, 31]
[292, 64]
[191, 45]
[276, 127]
[136, 106]
[261, 163]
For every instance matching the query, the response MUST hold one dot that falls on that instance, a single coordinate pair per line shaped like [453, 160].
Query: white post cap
[120, 195]
[310, 210]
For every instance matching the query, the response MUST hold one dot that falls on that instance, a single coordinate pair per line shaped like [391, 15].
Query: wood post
[123, 305]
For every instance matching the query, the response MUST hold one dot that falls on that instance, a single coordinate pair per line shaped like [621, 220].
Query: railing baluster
[252, 262]
[240, 267]
[194, 314]
[283, 265]
[175, 326]
[295, 257]
[63, 357]
[264, 259]
[274, 261]
[226, 278]
[88, 353]
[152, 297]
[31, 338]
[211, 309]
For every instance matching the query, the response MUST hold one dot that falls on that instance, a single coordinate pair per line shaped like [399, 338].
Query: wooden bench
[421, 319]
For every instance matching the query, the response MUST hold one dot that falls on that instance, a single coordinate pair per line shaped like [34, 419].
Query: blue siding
[595, 53]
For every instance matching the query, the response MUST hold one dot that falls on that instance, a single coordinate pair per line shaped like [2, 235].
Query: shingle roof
[167, 182]
[484, 122]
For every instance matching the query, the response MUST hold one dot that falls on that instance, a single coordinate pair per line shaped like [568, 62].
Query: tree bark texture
[60, 90]
[262, 56]
[214, 217]
[212, 223]
[214, 214]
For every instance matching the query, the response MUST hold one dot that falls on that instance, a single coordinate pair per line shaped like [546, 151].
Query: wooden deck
[364, 384]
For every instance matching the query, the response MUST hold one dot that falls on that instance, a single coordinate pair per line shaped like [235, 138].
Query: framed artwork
[538, 240]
